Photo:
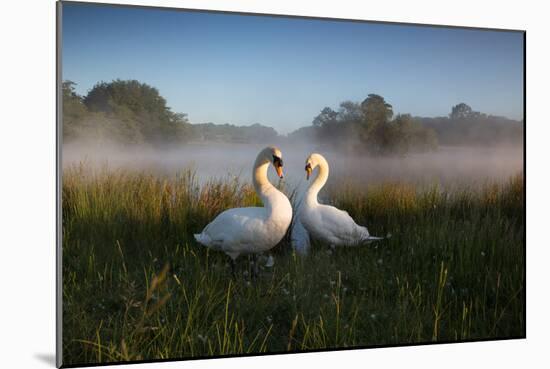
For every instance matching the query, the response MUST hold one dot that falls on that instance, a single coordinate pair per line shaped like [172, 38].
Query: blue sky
[280, 72]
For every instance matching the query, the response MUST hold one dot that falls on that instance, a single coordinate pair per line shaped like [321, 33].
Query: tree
[304, 134]
[376, 133]
[376, 109]
[369, 127]
[327, 116]
[136, 96]
[74, 111]
[461, 111]
[350, 112]
[136, 106]
[410, 135]
[331, 126]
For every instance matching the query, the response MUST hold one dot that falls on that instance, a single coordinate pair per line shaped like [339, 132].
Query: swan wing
[335, 226]
[236, 230]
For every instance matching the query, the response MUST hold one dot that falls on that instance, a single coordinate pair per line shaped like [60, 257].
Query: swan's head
[313, 161]
[273, 155]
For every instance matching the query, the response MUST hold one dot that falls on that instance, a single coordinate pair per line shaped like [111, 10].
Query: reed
[137, 286]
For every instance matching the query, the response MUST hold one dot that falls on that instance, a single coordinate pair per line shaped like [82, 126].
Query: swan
[323, 222]
[252, 230]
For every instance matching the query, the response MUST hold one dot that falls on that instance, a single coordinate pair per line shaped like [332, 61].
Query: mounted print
[236, 184]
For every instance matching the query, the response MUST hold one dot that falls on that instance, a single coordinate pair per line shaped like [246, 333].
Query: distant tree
[136, 106]
[255, 133]
[326, 117]
[376, 109]
[350, 112]
[259, 133]
[369, 127]
[376, 132]
[473, 128]
[136, 96]
[68, 91]
[331, 128]
[304, 134]
[410, 135]
[74, 110]
[461, 111]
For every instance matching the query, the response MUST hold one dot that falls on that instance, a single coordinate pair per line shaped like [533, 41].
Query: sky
[281, 72]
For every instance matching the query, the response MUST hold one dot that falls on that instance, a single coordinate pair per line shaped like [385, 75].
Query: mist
[446, 166]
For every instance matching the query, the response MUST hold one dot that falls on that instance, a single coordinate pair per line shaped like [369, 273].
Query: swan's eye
[308, 170]
[277, 161]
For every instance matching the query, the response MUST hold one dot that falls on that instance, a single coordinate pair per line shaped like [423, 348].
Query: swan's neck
[259, 178]
[265, 190]
[317, 184]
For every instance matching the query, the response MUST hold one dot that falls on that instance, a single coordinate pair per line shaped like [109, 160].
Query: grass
[136, 286]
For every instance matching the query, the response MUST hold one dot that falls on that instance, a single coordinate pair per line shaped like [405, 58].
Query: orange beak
[279, 170]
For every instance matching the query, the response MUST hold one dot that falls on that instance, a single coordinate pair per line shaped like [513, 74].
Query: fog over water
[447, 166]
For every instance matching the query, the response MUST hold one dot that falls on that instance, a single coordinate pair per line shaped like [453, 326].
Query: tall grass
[137, 286]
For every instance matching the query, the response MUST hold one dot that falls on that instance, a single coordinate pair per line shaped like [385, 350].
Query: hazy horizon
[447, 166]
[280, 72]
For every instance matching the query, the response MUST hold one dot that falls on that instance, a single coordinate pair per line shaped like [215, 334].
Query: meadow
[136, 285]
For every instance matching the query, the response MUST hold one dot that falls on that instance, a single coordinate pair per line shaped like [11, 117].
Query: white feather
[324, 222]
[255, 229]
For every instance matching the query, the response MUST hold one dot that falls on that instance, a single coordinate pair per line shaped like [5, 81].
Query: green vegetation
[130, 112]
[464, 126]
[368, 127]
[137, 286]
[255, 133]
[127, 112]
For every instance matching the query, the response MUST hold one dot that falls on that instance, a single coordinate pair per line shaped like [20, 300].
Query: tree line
[131, 112]
[123, 111]
[464, 126]
[370, 126]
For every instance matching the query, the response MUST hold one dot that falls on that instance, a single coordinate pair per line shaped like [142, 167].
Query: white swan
[323, 222]
[255, 229]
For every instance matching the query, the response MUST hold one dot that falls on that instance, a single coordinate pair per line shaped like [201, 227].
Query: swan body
[324, 222]
[252, 230]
